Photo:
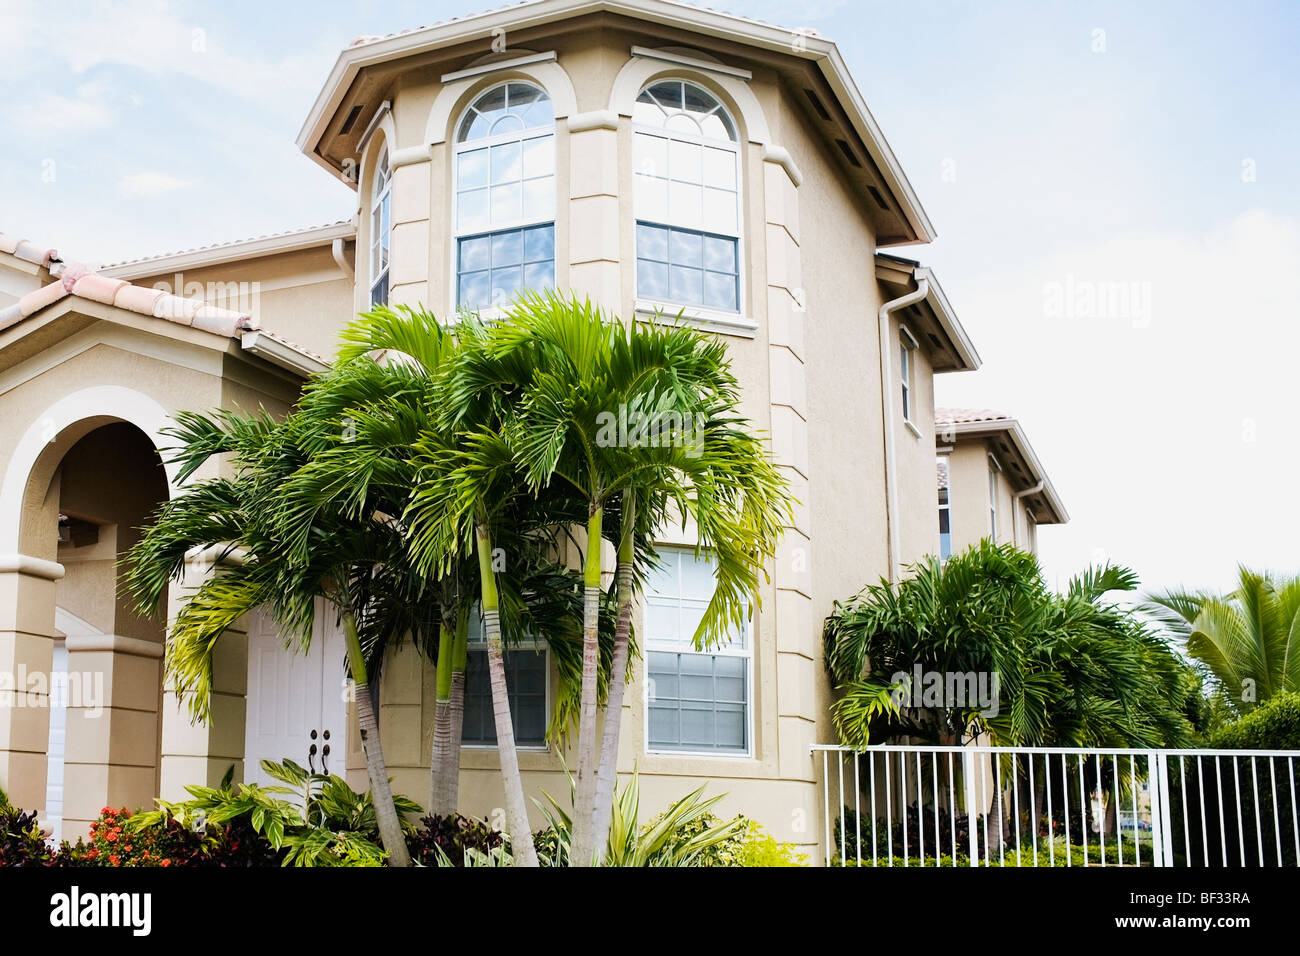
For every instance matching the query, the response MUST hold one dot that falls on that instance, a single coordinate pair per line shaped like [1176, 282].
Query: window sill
[708, 320]
[912, 428]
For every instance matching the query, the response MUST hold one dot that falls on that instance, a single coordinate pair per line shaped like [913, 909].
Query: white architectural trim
[282, 354]
[69, 625]
[232, 252]
[385, 108]
[512, 64]
[100, 401]
[116, 643]
[595, 119]
[454, 97]
[709, 320]
[670, 55]
[32, 567]
[640, 70]
[781, 157]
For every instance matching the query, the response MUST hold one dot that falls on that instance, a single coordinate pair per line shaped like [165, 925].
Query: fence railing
[1059, 806]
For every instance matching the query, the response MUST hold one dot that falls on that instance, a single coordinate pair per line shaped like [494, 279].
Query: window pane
[651, 242]
[685, 204]
[662, 621]
[472, 210]
[719, 254]
[539, 275]
[472, 169]
[686, 249]
[539, 243]
[719, 210]
[668, 94]
[507, 248]
[650, 154]
[539, 198]
[684, 161]
[697, 726]
[651, 279]
[474, 289]
[685, 285]
[507, 162]
[505, 282]
[475, 253]
[526, 689]
[507, 205]
[651, 198]
[720, 168]
[729, 727]
[539, 157]
[717, 126]
[720, 291]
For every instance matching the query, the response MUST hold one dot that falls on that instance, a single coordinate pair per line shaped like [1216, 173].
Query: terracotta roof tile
[961, 416]
[27, 251]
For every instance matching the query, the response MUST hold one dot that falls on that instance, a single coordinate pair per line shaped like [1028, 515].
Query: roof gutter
[1015, 514]
[281, 353]
[894, 539]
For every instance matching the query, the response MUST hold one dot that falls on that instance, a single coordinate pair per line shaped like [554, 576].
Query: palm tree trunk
[608, 769]
[459, 656]
[521, 836]
[381, 794]
[440, 754]
[584, 809]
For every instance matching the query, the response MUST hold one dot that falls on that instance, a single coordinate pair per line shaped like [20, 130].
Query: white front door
[296, 703]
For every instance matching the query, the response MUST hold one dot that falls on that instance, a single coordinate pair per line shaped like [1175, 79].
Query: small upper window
[687, 200]
[906, 345]
[504, 222]
[994, 468]
[381, 224]
[945, 509]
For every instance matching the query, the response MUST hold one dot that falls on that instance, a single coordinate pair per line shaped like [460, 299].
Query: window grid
[504, 172]
[380, 231]
[905, 376]
[527, 667]
[945, 509]
[696, 702]
[687, 198]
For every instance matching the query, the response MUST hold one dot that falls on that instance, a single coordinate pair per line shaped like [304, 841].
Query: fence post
[1166, 833]
[968, 786]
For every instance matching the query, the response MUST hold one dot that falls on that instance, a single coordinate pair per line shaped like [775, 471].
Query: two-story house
[658, 157]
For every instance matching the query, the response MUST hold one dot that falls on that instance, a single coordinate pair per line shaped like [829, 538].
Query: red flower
[111, 836]
[112, 858]
[165, 863]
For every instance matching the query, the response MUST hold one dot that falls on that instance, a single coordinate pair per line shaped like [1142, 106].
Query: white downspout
[894, 542]
[1015, 513]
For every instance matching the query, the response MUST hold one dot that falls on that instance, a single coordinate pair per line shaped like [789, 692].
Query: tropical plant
[285, 554]
[1273, 725]
[452, 840]
[639, 423]
[1248, 640]
[673, 838]
[21, 841]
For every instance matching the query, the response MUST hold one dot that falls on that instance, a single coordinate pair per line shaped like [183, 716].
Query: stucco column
[202, 753]
[595, 222]
[796, 628]
[27, 593]
[112, 737]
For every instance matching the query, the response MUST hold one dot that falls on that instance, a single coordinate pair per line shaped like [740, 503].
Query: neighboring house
[651, 155]
[991, 484]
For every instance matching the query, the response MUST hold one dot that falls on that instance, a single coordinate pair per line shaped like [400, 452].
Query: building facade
[672, 163]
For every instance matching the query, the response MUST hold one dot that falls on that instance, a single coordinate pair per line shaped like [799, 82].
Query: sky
[1115, 188]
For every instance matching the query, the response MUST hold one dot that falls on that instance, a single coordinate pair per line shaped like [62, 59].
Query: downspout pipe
[887, 408]
[1015, 513]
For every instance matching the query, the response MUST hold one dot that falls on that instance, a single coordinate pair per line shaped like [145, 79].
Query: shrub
[120, 839]
[21, 840]
[1273, 725]
[444, 840]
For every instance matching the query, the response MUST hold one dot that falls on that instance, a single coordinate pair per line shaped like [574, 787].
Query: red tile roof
[27, 251]
[76, 280]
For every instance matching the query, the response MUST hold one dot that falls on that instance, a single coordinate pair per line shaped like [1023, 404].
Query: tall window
[526, 681]
[945, 510]
[994, 468]
[696, 702]
[687, 202]
[381, 225]
[505, 196]
[905, 346]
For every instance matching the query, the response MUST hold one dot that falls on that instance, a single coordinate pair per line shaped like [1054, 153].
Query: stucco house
[652, 155]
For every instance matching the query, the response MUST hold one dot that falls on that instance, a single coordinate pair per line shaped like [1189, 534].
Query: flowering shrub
[449, 837]
[166, 843]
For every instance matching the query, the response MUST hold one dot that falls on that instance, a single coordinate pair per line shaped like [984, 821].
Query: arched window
[381, 224]
[687, 197]
[505, 195]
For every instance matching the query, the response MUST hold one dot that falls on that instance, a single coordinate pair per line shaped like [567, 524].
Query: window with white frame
[994, 469]
[504, 221]
[945, 509]
[687, 201]
[381, 226]
[906, 345]
[526, 683]
[696, 702]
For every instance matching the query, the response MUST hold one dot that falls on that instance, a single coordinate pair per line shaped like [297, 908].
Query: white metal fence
[1059, 806]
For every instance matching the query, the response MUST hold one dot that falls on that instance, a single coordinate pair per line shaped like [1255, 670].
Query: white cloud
[52, 113]
[152, 183]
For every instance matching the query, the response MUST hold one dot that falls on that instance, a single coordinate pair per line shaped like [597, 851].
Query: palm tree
[1249, 639]
[577, 379]
[287, 559]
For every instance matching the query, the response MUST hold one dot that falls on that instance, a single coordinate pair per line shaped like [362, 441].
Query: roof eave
[232, 252]
[1020, 440]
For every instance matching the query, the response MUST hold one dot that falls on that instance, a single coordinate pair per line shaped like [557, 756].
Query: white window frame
[486, 142]
[676, 647]
[907, 345]
[479, 644]
[723, 320]
[946, 506]
[381, 202]
[995, 469]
